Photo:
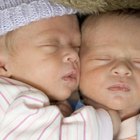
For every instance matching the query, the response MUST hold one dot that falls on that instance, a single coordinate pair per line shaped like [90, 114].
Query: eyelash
[50, 48]
[102, 59]
[136, 61]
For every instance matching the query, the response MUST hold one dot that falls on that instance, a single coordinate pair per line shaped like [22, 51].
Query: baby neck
[128, 113]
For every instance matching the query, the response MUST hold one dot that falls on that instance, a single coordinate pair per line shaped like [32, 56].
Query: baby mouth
[71, 76]
[119, 87]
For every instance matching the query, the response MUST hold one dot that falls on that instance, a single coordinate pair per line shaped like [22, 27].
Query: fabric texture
[26, 114]
[16, 13]
[95, 6]
[128, 129]
[138, 128]
[76, 104]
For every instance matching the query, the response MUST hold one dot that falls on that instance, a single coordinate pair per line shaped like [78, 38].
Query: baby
[39, 65]
[110, 65]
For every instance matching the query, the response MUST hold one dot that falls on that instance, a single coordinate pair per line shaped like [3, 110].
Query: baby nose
[71, 56]
[121, 69]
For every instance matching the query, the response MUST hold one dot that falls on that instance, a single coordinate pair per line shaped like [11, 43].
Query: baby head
[110, 60]
[42, 50]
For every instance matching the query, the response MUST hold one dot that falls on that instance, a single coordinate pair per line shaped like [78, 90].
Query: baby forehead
[116, 17]
[111, 27]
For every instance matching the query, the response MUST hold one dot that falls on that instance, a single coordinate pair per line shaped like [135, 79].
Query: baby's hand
[65, 108]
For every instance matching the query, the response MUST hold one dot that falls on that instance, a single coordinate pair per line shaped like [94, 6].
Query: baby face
[110, 62]
[46, 56]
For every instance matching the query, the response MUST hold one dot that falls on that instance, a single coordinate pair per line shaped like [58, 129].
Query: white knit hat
[17, 13]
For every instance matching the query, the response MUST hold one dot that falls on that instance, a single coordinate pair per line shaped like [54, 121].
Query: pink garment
[26, 114]
[128, 129]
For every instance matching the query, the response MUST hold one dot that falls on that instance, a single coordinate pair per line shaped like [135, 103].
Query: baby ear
[4, 61]
[3, 70]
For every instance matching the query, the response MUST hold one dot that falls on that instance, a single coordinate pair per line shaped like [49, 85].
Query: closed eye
[136, 62]
[50, 48]
[102, 59]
